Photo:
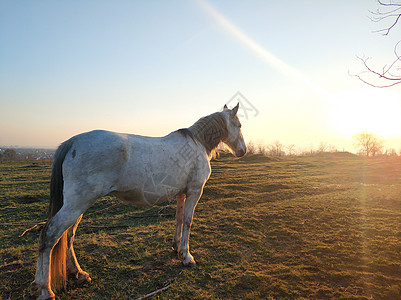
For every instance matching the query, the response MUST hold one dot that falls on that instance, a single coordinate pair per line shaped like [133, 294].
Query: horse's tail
[58, 260]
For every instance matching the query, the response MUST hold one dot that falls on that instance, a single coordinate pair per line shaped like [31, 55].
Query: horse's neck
[209, 132]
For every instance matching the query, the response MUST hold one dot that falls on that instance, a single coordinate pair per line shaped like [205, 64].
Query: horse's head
[234, 140]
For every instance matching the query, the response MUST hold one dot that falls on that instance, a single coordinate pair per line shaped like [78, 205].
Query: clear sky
[151, 67]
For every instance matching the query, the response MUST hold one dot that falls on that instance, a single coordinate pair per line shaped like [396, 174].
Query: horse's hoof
[80, 278]
[46, 297]
[37, 291]
[191, 264]
[34, 289]
[83, 278]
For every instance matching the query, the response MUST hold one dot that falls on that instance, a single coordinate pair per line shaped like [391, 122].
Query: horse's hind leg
[75, 274]
[51, 234]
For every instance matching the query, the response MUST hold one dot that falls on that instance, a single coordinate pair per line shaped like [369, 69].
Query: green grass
[310, 227]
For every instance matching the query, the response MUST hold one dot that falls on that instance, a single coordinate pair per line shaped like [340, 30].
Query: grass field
[308, 227]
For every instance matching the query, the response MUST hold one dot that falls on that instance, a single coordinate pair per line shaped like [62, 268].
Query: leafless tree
[391, 152]
[390, 74]
[368, 143]
[250, 148]
[261, 148]
[332, 148]
[276, 149]
[291, 149]
[322, 147]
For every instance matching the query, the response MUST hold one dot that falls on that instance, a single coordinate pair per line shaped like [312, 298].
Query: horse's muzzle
[240, 153]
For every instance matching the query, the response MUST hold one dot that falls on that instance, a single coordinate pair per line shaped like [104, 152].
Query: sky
[151, 67]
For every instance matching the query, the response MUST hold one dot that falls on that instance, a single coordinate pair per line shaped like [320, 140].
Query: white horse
[136, 169]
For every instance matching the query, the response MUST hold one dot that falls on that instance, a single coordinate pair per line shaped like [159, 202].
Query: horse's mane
[209, 131]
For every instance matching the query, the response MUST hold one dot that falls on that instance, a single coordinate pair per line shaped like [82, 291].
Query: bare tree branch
[380, 15]
[390, 73]
[371, 84]
[385, 75]
[166, 287]
[388, 4]
[388, 29]
[33, 227]
[154, 293]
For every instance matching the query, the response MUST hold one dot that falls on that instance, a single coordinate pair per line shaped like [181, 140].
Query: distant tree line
[278, 149]
[9, 154]
[368, 144]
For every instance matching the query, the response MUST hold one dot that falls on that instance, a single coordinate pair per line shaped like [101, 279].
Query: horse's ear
[235, 109]
[225, 107]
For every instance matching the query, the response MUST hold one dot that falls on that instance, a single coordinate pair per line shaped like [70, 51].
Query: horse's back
[97, 148]
[108, 162]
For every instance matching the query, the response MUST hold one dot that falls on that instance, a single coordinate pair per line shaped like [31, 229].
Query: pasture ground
[304, 227]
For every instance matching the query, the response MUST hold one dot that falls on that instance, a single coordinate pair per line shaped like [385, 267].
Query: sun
[366, 109]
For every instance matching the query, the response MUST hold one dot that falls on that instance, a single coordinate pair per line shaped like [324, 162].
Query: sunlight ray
[263, 54]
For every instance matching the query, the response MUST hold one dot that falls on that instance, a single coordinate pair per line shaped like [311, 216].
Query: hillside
[307, 227]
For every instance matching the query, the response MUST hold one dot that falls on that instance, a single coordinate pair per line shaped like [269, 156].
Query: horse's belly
[157, 197]
[147, 197]
[135, 197]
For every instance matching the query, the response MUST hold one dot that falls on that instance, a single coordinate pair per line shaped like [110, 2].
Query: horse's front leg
[189, 208]
[179, 216]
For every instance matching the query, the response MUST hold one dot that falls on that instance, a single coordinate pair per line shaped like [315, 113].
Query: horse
[139, 170]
